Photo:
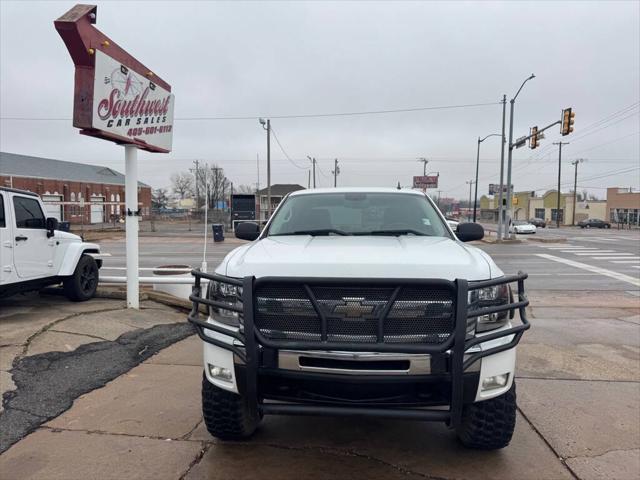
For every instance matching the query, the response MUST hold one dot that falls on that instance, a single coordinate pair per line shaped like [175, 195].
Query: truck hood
[359, 257]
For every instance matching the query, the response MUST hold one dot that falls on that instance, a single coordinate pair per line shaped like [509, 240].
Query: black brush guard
[456, 344]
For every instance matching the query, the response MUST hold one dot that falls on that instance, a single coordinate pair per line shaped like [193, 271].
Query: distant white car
[522, 227]
[453, 223]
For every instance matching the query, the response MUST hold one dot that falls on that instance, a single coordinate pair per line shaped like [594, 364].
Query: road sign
[520, 142]
[425, 181]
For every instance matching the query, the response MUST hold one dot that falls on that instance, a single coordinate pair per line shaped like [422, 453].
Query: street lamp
[424, 165]
[267, 126]
[509, 192]
[475, 199]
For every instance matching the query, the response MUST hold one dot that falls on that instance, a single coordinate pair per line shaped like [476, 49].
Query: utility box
[218, 232]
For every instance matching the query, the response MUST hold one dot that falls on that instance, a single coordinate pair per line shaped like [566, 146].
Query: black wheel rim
[88, 278]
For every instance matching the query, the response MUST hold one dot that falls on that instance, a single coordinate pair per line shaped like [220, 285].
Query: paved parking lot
[578, 393]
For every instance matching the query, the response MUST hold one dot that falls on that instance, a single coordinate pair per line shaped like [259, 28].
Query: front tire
[227, 415]
[489, 425]
[82, 285]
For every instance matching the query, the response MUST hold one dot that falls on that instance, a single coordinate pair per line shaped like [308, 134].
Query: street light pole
[424, 165]
[470, 183]
[559, 172]
[509, 161]
[268, 129]
[475, 198]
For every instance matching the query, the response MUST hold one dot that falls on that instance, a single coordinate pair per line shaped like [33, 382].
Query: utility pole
[470, 183]
[197, 175]
[438, 202]
[575, 188]
[504, 141]
[309, 180]
[258, 168]
[559, 172]
[336, 171]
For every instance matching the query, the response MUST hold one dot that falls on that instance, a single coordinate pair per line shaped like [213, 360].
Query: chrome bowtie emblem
[353, 307]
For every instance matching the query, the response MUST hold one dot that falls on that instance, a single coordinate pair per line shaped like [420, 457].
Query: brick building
[72, 192]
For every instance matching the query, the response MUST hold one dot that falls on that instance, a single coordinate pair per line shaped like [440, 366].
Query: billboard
[425, 181]
[494, 188]
[116, 97]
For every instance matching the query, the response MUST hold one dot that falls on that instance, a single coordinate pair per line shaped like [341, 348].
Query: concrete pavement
[578, 388]
[578, 395]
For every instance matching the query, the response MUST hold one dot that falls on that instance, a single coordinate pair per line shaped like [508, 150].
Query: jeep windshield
[357, 213]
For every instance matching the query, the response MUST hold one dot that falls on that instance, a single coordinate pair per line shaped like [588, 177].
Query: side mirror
[247, 231]
[51, 225]
[468, 232]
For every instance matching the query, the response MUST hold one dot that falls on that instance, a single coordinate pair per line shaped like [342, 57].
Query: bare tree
[159, 198]
[246, 189]
[182, 184]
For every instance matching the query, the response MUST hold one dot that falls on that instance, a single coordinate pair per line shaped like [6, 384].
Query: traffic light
[567, 121]
[533, 139]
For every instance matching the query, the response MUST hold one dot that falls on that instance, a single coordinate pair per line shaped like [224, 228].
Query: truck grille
[421, 314]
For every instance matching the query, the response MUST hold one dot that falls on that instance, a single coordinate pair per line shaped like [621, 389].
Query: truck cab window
[2, 220]
[28, 213]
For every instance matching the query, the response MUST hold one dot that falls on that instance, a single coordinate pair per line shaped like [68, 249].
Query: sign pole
[131, 205]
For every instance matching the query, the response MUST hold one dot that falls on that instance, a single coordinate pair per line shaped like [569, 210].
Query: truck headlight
[490, 297]
[229, 294]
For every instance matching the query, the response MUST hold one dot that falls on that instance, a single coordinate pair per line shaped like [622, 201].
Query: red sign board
[116, 97]
[425, 181]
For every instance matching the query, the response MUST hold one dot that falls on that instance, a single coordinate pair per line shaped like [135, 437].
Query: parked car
[35, 254]
[360, 302]
[538, 222]
[520, 226]
[594, 223]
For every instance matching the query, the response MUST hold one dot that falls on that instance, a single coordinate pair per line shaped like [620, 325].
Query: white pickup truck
[34, 254]
[360, 302]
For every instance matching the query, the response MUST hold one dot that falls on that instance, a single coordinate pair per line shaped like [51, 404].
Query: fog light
[498, 381]
[220, 373]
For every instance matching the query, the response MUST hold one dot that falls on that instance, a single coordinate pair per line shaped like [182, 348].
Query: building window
[539, 213]
[554, 215]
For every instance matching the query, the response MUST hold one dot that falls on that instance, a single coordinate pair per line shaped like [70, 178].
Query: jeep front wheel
[489, 425]
[227, 415]
[83, 283]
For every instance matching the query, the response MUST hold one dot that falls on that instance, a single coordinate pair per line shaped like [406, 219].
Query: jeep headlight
[489, 297]
[225, 293]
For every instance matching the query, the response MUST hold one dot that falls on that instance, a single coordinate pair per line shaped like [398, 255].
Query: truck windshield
[357, 214]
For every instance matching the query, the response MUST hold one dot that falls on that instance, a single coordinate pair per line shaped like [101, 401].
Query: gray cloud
[249, 59]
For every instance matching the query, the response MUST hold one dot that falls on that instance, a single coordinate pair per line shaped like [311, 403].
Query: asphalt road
[586, 260]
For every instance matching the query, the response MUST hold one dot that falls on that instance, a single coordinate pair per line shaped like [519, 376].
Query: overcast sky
[288, 58]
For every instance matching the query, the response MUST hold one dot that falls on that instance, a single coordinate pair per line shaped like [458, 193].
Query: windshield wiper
[319, 231]
[398, 232]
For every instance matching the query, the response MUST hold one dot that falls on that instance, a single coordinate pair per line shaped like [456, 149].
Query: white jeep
[34, 254]
[360, 302]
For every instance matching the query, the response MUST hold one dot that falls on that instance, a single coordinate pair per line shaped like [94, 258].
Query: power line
[285, 153]
[302, 115]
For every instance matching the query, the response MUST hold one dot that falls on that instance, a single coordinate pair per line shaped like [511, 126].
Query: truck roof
[312, 191]
[17, 190]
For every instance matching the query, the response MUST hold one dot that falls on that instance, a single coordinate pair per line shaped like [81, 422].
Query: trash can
[63, 226]
[218, 232]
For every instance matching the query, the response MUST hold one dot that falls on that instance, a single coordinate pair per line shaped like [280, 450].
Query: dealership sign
[494, 188]
[116, 97]
[425, 181]
[126, 104]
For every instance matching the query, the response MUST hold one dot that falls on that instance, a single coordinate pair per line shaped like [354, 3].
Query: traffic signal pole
[504, 141]
[559, 174]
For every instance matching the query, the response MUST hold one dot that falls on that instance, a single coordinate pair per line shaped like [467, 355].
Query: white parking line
[616, 257]
[596, 252]
[626, 261]
[590, 268]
